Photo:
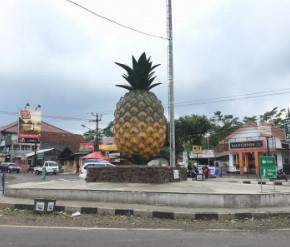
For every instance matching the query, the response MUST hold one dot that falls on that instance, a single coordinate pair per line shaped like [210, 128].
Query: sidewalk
[109, 199]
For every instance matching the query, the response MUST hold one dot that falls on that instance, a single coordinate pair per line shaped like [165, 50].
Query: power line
[115, 22]
[229, 98]
[179, 104]
[235, 97]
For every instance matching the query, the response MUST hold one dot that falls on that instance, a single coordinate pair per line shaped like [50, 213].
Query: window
[16, 147]
[286, 146]
[25, 147]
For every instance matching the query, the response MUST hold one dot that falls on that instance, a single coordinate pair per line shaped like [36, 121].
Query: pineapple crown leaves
[140, 77]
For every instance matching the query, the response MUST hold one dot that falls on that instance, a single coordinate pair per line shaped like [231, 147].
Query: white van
[51, 167]
[86, 165]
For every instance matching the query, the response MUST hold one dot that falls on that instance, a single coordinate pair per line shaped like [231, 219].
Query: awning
[38, 152]
[96, 156]
[204, 155]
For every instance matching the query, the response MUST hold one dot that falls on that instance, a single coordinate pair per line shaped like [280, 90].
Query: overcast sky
[58, 55]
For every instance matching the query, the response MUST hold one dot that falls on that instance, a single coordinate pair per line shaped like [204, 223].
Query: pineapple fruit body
[139, 125]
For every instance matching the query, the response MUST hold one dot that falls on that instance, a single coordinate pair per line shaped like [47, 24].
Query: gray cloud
[57, 58]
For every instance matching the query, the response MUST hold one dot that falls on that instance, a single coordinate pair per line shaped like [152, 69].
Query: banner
[29, 126]
[287, 129]
[86, 147]
[108, 147]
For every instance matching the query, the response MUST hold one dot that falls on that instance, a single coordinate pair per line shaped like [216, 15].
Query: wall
[135, 174]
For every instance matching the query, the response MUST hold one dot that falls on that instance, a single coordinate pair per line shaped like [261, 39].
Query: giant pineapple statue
[139, 125]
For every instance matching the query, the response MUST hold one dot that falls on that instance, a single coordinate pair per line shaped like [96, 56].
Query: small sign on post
[267, 168]
[196, 149]
[175, 174]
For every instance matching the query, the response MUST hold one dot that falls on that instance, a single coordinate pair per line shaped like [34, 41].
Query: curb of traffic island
[153, 214]
[263, 182]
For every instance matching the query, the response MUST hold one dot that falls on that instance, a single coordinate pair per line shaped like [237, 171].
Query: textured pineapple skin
[139, 125]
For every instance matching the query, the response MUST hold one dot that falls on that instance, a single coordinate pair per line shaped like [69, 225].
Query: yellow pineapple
[140, 124]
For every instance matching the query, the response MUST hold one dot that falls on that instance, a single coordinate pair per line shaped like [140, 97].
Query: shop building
[241, 149]
[55, 144]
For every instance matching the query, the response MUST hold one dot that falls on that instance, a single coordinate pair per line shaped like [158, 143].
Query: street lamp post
[267, 136]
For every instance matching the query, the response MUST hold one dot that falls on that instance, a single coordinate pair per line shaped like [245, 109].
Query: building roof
[57, 147]
[249, 123]
[72, 141]
[38, 152]
[45, 127]
[51, 135]
[274, 131]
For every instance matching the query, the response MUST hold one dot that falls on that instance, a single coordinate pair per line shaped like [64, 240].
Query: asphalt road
[34, 230]
[14, 178]
[122, 237]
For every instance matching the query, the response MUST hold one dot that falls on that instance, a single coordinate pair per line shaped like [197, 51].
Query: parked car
[98, 163]
[51, 167]
[9, 167]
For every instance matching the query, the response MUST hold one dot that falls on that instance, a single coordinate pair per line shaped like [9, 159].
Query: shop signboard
[108, 147]
[244, 145]
[196, 149]
[268, 167]
[86, 147]
[29, 126]
[287, 129]
[40, 156]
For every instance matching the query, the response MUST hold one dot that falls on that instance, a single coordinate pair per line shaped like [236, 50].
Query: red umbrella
[97, 156]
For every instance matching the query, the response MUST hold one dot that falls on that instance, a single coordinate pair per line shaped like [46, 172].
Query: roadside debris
[76, 214]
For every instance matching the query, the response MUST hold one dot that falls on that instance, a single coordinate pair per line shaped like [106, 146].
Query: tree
[274, 117]
[252, 118]
[222, 126]
[108, 131]
[189, 131]
[90, 135]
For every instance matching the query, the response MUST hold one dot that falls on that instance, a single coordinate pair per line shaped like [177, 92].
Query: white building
[245, 145]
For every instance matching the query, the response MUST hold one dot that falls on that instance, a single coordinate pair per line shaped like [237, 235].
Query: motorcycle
[192, 173]
[281, 175]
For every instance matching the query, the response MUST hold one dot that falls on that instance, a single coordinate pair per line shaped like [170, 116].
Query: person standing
[205, 171]
[189, 170]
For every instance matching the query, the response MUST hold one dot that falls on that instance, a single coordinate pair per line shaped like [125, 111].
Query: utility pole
[96, 120]
[170, 87]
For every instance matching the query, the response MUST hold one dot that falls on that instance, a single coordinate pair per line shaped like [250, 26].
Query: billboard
[29, 126]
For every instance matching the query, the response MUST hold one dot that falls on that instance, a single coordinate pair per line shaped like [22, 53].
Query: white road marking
[90, 228]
